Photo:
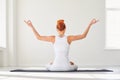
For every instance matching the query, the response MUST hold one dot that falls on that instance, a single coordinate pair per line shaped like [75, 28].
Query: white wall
[1, 58]
[77, 14]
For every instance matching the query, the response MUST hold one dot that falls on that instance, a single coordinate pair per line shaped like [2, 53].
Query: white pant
[68, 68]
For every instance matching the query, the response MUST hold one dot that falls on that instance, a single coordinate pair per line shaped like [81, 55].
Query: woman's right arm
[38, 36]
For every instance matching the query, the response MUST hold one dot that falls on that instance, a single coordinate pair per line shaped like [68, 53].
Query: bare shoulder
[69, 38]
[75, 37]
[48, 38]
[52, 38]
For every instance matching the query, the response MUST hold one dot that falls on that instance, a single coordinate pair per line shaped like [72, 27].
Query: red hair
[61, 25]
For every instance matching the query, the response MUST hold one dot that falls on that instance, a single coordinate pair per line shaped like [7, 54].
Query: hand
[93, 21]
[29, 23]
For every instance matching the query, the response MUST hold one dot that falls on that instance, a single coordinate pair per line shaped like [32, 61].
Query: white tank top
[61, 49]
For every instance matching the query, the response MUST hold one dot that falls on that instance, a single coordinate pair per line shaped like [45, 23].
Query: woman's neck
[61, 35]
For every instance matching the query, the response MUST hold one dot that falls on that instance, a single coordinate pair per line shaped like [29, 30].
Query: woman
[61, 45]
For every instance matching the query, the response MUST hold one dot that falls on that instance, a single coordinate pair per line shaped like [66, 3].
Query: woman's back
[61, 61]
[61, 49]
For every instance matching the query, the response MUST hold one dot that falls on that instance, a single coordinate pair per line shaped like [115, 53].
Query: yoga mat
[98, 70]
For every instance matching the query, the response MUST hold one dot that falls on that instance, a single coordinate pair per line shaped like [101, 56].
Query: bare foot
[71, 63]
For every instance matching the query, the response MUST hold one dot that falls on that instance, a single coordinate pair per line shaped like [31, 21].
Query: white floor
[5, 74]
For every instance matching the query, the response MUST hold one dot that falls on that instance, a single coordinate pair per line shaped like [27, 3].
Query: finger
[93, 19]
[29, 21]
[25, 21]
[97, 20]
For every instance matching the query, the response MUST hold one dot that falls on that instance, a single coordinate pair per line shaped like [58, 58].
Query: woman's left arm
[84, 34]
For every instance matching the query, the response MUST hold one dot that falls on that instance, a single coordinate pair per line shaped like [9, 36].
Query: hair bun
[61, 25]
[60, 21]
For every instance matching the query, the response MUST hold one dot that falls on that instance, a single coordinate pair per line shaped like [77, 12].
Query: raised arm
[38, 36]
[84, 34]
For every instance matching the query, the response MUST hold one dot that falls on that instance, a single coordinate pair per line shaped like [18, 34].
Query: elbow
[38, 38]
[84, 36]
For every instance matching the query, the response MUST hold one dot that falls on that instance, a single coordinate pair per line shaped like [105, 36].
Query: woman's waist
[61, 56]
[61, 52]
[61, 62]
